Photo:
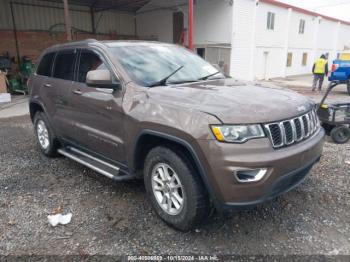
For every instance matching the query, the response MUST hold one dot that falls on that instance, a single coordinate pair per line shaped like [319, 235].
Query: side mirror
[101, 79]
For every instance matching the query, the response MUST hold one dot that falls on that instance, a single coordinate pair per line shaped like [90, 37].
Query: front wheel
[174, 189]
[340, 134]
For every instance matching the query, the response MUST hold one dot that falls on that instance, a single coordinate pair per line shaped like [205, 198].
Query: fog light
[249, 175]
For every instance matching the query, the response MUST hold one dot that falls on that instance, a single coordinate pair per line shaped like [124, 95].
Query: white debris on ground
[57, 219]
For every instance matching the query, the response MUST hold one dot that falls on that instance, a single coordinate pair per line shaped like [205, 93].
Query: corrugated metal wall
[42, 15]
[5, 15]
[120, 23]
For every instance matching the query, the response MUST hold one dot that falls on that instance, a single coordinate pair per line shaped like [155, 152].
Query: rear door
[97, 112]
[60, 85]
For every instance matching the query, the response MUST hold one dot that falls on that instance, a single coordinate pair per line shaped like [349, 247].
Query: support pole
[190, 24]
[15, 34]
[67, 20]
[92, 14]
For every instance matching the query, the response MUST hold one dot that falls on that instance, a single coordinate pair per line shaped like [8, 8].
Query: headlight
[237, 134]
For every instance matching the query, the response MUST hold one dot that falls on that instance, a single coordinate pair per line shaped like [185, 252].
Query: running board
[96, 164]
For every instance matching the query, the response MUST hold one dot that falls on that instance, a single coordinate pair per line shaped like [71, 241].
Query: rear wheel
[340, 134]
[46, 138]
[175, 189]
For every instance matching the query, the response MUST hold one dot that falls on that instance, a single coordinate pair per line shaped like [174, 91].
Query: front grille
[292, 131]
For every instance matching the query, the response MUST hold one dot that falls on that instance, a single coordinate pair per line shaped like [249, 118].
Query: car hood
[234, 102]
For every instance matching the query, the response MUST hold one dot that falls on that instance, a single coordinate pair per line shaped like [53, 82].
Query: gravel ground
[115, 218]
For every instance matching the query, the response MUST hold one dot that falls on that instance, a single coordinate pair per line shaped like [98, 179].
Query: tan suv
[159, 112]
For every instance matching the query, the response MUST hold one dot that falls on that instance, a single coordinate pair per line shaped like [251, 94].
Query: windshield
[152, 65]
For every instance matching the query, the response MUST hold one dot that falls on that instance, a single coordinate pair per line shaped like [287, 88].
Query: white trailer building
[250, 39]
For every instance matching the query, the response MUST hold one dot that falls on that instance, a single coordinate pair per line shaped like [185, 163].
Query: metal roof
[100, 5]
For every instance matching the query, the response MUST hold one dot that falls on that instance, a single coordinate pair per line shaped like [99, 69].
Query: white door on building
[220, 56]
[265, 70]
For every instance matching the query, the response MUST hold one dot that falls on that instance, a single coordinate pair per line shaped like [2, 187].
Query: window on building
[270, 21]
[45, 66]
[201, 52]
[289, 59]
[64, 65]
[304, 61]
[301, 26]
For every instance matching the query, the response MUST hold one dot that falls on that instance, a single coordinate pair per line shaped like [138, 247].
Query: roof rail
[85, 41]
[89, 40]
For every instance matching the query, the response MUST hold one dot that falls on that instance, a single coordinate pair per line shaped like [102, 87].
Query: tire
[46, 138]
[195, 203]
[340, 134]
[348, 85]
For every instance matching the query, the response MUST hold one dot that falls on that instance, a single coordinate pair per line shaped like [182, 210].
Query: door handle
[47, 85]
[77, 92]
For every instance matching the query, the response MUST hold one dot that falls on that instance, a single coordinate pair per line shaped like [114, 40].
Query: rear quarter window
[45, 65]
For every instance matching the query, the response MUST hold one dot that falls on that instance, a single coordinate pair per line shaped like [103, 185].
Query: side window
[270, 21]
[289, 59]
[301, 26]
[89, 60]
[45, 66]
[64, 65]
[304, 60]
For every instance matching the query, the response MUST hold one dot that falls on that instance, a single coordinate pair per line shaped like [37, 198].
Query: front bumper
[338, 76]
[287, 167]
[282, 185]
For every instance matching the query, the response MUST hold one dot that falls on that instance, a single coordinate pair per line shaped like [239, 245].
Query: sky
[335, 8]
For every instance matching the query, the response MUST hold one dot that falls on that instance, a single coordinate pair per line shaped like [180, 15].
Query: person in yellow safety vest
[320, 69]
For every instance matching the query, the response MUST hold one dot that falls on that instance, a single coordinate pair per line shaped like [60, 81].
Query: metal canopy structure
[99, 6]
[120, 5]
[103, 5]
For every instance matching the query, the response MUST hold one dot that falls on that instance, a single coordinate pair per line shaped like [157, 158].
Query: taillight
[334, 67]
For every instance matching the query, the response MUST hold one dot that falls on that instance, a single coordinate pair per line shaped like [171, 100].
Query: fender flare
[39, 103]
[36, 102]
[194, 155]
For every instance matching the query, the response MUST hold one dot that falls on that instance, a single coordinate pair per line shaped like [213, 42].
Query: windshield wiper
[183, 82]
[206, 77]
[165, 79]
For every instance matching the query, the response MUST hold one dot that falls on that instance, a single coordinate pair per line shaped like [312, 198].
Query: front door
[97, 112]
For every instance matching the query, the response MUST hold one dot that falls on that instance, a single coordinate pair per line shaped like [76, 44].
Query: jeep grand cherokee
[159, 112]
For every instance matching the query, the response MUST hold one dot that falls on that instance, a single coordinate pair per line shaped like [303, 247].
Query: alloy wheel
[167, 189]
[43, 134]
